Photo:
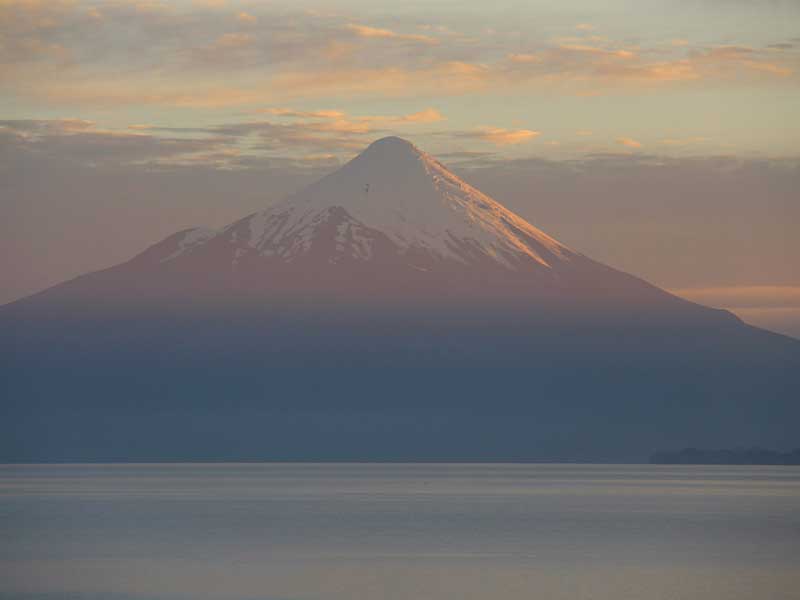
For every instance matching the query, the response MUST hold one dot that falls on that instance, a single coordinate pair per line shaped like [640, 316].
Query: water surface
[391, 531]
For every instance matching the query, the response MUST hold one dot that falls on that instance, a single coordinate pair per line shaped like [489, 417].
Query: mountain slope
[388, 312]
[422, 208]
[391, 225]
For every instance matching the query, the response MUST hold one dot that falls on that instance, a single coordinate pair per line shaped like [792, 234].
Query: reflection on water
[331, 531]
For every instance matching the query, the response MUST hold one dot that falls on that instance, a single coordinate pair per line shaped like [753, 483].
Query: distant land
[738, 456]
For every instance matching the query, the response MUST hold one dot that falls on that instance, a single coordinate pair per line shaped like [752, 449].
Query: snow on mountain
[392, 192]
[391, 226]
[188, 239]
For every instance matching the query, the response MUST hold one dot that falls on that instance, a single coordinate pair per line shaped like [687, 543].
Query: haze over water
[393, 531]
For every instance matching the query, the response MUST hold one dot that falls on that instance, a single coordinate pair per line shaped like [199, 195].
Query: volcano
[391, 226]
[389, 311]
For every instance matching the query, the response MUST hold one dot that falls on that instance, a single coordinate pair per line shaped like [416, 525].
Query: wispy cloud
[70, 52]
[744, 296]
[365, 31]
[685, 141]
[339, 120]
[629, 142]
[82, 142]
[499, 136]
[44, 126]
[303, 114]
[246, 18]
[428, 115]
[775, 307]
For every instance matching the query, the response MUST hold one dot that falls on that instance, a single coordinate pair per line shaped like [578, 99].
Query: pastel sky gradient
[660, 137]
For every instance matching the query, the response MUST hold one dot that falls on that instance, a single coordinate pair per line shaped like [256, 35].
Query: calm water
[405, 532]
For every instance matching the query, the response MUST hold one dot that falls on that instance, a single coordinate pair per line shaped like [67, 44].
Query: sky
[662, 138]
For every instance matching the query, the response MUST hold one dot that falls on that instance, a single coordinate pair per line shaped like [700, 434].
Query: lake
[398, 532]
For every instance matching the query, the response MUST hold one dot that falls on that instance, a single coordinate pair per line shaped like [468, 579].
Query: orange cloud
[629, 142]
[340, 122]
[505, 137]
[525, 58]
[681, 70]
[597, 51]
[768, 68]
[324, 56]
[572, 60]
[246, 18]
[232, 40]
[744, 296]
[429, 115]
[726, 60]
[303, 114]
[448, 78]
[374, 32]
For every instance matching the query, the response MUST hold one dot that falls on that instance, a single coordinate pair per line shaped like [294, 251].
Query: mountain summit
[393, 224]
[396, 194]
[391, 199]
[389, 311]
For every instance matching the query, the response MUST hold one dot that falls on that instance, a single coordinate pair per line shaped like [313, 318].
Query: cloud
[774, 307]
[316, 136]
[303, 114]
[233, 145]
[466, 155]
[498, 135]
[442, 78]
[744, 296]
[525, 58]
[727, 61]
[687, 141]
[374, 32]
[442, 29]
[328, 130]
[606, 64]
[43, 126]
[246, 18]
[428, 115]
[237, 48]
[126, 52]
[233, 40]
[629, 142]
[309, 133]
[81, 142]
[581, 48]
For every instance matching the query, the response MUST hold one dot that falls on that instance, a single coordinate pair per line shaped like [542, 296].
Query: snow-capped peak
[394, 191]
